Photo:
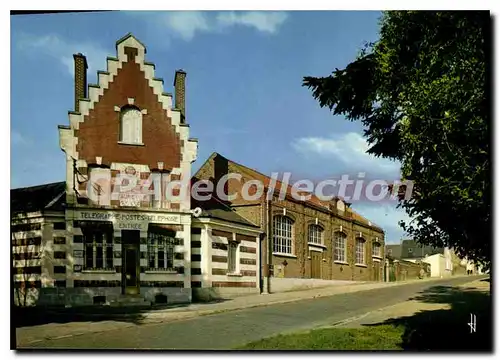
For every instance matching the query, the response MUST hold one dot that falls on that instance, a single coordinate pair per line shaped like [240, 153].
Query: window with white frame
[360, 251]
[98, 248]
[315, 234]
[376, 249]
[232, 251]
[131, 125]
[283, 227]
[340, 247]
[160, 251]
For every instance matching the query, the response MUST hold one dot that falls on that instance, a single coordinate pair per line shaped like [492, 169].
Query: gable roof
[226, 215]
[130, 35]
[38, 198]
[313, 201]
[215, 208]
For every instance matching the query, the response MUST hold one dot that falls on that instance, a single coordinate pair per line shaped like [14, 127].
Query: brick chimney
[180, 92]
[80, 79]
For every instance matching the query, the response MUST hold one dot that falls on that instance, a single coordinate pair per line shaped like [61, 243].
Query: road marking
[61, 337]
[354, 318]
[34, 341]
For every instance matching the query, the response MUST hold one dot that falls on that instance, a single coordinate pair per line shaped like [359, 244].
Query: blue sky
[244, 94]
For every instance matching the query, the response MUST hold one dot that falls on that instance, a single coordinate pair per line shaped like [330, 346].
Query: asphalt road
[228, 330]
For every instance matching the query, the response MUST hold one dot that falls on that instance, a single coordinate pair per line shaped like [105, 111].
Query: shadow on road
[448, 330]
[31, 316]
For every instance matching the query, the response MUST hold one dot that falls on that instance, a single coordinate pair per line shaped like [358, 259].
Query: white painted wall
[439, 266]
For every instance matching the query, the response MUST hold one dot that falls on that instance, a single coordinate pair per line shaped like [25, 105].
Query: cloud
[350, 148]
[62, 50]
[186, 24]
[17, 139]
[265, 21]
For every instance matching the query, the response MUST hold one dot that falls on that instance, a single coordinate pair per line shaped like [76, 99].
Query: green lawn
[381, 337]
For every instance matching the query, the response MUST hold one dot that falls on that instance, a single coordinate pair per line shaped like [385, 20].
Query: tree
[421, 91]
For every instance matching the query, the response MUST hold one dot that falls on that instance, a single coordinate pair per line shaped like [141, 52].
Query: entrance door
[375, 272]
[316, 264]
[130, 259]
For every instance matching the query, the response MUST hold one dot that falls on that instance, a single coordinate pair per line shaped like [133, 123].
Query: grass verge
[385, 337]
[424, 330]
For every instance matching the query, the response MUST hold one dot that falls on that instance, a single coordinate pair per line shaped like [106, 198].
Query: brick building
[78, 242]
[311, 239]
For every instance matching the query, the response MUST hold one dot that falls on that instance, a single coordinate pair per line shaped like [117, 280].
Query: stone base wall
[85, 296]
[291, 284]
[216, 293]
[174, 295]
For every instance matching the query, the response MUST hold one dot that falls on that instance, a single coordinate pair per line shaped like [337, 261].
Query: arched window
[360, 251]
[340, 240]
[376, 249]
[315, 234]
[283, 239]
[130, 125]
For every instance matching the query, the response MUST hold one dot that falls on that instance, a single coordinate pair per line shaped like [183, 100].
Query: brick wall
[98, 135]
[407, 270]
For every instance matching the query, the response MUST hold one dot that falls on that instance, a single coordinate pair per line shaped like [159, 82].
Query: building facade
[441, 265]
[101, 238]
[121, 229]
[310, 239]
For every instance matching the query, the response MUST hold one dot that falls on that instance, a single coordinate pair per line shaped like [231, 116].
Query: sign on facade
[128, 221]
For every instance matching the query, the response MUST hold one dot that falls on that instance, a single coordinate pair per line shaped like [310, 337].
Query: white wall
[438, 264]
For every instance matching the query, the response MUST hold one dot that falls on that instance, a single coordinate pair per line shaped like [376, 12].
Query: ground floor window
[98, 247]
[376, 249]
[160, 251]
[340, 247]
[283, 235]
[232, 252]
[360, 251]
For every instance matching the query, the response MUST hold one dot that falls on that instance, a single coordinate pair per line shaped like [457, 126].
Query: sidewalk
[26, 335]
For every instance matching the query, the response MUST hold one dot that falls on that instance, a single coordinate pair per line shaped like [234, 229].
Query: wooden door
[130, 262]
[316, 259]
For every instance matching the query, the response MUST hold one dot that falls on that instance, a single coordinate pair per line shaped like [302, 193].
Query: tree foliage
[421, 91]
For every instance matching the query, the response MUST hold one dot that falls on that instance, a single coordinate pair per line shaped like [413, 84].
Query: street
[234, 328]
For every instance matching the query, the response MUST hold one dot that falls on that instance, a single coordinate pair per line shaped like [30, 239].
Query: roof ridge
[41, 185]
[54, 200]
[323, 203]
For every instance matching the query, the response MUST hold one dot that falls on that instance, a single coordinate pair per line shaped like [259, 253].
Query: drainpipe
[267, 274]
[387, 270]
[264, 248]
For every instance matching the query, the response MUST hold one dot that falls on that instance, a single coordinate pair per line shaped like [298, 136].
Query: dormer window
[130, 125]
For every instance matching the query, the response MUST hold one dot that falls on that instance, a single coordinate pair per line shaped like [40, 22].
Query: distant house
[393, 251]
[441, 264]
[439, 259]
[410, 249]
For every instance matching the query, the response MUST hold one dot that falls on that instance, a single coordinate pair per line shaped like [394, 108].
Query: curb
[155, 318]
